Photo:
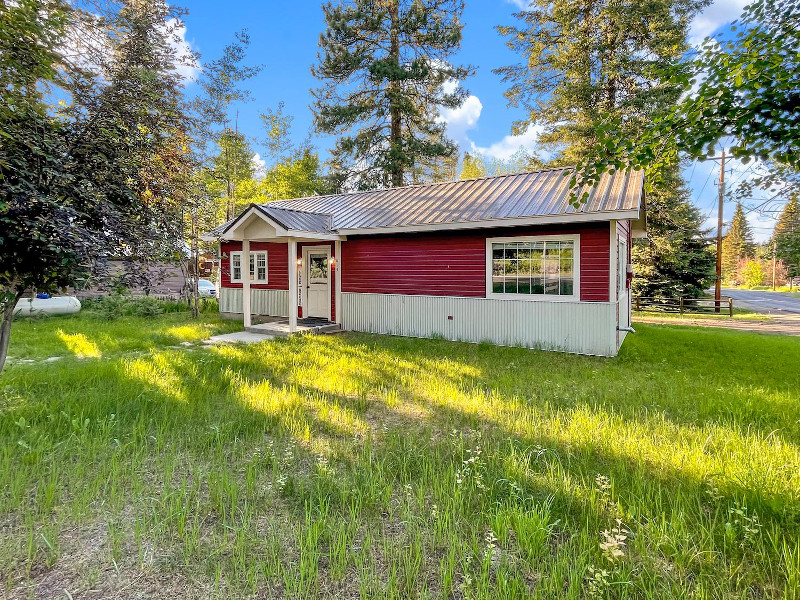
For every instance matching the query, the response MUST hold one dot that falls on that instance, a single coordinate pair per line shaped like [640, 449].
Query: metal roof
[531, 195]
[298, 220]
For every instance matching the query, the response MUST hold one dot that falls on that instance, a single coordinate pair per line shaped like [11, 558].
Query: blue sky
[284, 39]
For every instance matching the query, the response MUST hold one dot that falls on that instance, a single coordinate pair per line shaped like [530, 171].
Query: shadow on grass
[393, 412]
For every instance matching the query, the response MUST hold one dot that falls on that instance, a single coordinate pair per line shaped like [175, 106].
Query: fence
[683, 305]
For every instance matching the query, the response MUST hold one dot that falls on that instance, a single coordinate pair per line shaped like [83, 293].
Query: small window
[530, 267]
[258, 267]
[236, 266]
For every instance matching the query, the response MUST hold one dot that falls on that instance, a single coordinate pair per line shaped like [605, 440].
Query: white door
[624, 307]
[318, 290]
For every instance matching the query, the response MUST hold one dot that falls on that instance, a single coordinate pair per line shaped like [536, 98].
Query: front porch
[281, 327]
[281, 279]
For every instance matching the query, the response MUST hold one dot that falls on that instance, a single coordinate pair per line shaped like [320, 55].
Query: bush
[118, 305]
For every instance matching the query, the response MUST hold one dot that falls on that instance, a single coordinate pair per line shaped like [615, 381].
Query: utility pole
[718, 284]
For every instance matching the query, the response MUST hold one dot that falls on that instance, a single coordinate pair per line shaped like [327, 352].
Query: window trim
[576, 268]
[254, 255]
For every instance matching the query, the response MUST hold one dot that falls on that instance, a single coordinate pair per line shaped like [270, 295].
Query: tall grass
[380, 467]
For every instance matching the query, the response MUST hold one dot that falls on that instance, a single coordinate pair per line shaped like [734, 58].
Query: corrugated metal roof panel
[522, 195]
[299, 220]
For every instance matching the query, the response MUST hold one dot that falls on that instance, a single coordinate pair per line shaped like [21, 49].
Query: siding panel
[277, 265]
[272, 303]
[577, 327]
[454, 263]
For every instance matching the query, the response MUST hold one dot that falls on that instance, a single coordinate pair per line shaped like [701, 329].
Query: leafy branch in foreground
[746, 88]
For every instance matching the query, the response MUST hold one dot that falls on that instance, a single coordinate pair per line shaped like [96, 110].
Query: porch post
[338, 270]
[246, 282]
[292, 285]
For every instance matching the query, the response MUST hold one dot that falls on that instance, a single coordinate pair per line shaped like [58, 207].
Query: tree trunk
[194, 269]
[5, 326]
[396, 133]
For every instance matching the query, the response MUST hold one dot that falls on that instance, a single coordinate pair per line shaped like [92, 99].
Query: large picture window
[528, 267]
[258, 267]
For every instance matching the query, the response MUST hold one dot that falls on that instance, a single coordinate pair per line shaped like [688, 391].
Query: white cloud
[462, 119]
[186, 63]
[260, 165]
[511, 144]
[714, 17]
[520, 4]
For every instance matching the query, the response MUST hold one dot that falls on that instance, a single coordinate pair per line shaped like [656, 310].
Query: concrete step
[282, 329]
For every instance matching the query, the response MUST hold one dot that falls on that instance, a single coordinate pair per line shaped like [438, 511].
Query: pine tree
[583, 59]
[786, 238]
[736, 245]
[382, 66]
[674, 260]
[588, 57]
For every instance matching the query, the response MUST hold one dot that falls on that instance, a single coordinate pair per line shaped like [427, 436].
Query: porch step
[281, 328]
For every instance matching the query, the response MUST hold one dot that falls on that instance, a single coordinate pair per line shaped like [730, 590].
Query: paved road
[775, 303]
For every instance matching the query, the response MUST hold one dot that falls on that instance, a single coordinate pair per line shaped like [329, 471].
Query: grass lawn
[739, 314]
[352, 466]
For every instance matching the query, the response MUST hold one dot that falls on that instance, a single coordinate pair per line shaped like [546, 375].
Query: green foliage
[786, 237]
[227, 171]
[99, 173]
[674, 260]
[584, 58]
[472, 166]
[736, 246]
[387, 467]
[382, 68]
[116, 306]
[746, 88]
[295, 176]
[752, 273]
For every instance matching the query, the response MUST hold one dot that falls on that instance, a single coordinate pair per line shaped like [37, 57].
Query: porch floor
[279, 327]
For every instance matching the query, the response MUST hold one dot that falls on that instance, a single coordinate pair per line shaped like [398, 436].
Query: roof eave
[632, 214]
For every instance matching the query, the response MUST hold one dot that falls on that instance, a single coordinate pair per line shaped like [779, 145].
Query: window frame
[254, 255]
[576, 268]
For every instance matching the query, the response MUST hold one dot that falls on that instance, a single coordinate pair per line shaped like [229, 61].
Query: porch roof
[537, 197]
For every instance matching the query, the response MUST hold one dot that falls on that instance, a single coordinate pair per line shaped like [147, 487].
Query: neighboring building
[506, 260]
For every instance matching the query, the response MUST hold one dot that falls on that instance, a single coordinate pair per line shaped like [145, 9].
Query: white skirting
[273, 303]
[577, 327]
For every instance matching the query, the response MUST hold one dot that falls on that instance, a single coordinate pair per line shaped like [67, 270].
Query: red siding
[277, 265]
[454, 263]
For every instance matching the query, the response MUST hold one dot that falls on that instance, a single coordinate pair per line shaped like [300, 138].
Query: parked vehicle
[58, 305]
[206, 288]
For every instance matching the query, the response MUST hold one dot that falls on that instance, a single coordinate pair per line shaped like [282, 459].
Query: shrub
[114, 306]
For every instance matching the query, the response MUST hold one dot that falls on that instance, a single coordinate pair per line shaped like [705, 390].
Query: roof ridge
[298, 210]
[421, 185]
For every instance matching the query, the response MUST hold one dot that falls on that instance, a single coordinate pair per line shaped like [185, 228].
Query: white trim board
[576, 268]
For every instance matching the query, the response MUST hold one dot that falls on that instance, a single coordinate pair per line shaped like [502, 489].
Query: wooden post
[730, 306]
[681, 304]
[337, 250]
[246, 283]
[293, 266]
